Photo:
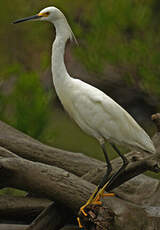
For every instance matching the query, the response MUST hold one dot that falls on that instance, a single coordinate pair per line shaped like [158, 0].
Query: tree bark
[13, 207]
[52, 218]
[76, 163]
[31, 149]
[12, 227]
[72, 191]
[69, 178]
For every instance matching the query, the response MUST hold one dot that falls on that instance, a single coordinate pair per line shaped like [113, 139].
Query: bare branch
[75, 162]
[156, 119]
[49, 181]
[52, 218]
[70, 190]
[62, 186]
[31, 149]
[18, 206]
[12, 227]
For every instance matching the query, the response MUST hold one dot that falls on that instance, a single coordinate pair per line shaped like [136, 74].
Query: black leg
[108, 171]
[109, 168]
[96, 194]
[125, 163]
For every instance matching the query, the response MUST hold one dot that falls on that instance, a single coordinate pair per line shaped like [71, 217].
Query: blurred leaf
[30, 105]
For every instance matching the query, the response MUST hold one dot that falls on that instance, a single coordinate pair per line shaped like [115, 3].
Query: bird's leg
[113, 178]
[105, 179]
[95, 197]
[109, 168]
[104, 182]
[92, 199]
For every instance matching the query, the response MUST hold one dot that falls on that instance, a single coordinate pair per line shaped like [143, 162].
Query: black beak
[28, 18]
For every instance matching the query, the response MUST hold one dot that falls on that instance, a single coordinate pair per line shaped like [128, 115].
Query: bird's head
[50, 14]
[55, 16]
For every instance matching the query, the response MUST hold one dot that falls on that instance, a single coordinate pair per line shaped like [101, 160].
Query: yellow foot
[79, 222]
[102, 194]
[108, 194]
[82, 209]
[95, 201]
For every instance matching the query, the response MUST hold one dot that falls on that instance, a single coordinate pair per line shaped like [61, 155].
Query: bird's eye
[46, 14]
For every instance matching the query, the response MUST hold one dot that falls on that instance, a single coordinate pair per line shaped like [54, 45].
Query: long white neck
[63, 33]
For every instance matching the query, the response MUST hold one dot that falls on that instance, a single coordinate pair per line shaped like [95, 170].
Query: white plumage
[101, 117]
[96, 113]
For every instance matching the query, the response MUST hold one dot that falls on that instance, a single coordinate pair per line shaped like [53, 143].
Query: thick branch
[31, 149]
[74, 162]
[70, 190]
[18, 172]
[52, 218]
[12, 227]
[135, 168]
[20, 207]
[49, 181]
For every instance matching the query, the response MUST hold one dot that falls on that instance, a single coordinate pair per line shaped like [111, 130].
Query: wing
[95, 110]
[102, 115]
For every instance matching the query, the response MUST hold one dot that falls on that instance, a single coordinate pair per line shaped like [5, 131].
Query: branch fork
[69, 178]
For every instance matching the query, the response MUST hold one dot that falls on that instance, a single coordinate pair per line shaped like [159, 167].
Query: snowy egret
[95, 112]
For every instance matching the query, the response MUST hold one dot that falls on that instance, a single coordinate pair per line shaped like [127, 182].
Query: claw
[82, 210]
[97, 202]
[79, 223]
[100, 195]
[108, 194]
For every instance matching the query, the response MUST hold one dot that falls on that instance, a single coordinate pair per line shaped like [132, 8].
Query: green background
[122, 34]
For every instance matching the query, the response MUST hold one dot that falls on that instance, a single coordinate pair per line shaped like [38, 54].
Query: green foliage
[30, 105]
[26, 104]
[12, 191]
[123, 33]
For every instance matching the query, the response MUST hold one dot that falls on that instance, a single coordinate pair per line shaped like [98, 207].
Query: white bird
[95, 112]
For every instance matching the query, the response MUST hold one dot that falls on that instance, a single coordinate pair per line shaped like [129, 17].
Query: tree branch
[12, 207]
[91, 169]
[52, 218]
[62, 186]
[12, 227]
[31, 149]
[48, 181]
[68, 189]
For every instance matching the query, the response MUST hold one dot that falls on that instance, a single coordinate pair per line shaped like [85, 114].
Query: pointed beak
[28, 18]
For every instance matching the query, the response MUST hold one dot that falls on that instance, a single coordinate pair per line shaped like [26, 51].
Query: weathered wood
[134, 168]
[70, 227]
[91, 169]
[70, 190]
[12, 227]
[95, 175]
[141, 190]
[19, 207]
[31, 149]
[25, 227]
[48, 181]
[6, 153]
[156, 119]
[52, 218]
